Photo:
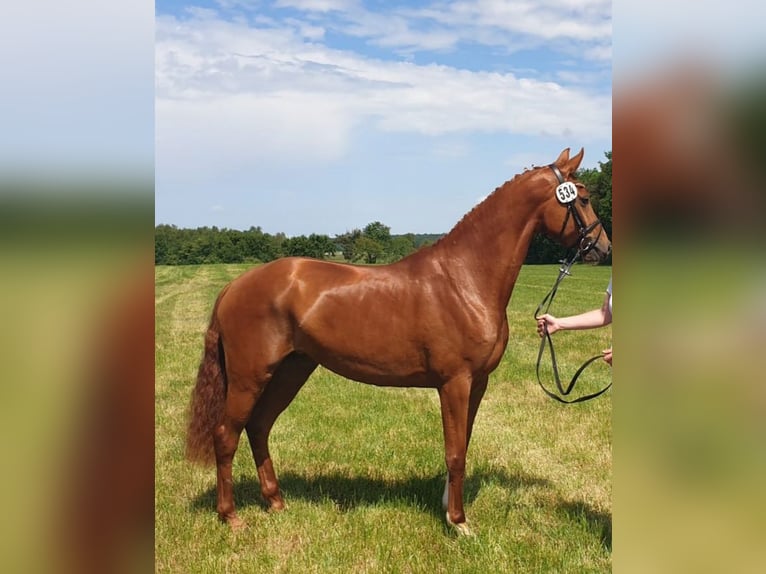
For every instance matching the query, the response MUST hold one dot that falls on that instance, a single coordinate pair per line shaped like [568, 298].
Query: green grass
[362, 468]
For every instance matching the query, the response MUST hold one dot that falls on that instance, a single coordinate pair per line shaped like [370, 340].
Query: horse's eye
[584, 200]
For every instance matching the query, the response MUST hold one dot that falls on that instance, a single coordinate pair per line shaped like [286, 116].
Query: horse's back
[359, 321]
[285, 290]
[290, 277]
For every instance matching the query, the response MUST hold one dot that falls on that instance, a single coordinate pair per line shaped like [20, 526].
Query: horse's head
[567, 214]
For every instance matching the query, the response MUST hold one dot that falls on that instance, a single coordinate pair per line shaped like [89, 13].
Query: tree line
[372, 244]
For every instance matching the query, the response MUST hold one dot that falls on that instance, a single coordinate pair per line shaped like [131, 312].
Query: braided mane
[481, 210]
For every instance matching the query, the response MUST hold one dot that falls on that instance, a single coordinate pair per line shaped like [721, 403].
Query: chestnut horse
[434, 319]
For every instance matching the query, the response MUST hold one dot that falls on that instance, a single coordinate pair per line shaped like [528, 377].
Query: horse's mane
[479, 211]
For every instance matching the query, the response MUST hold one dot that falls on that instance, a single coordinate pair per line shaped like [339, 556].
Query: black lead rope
[547, 300]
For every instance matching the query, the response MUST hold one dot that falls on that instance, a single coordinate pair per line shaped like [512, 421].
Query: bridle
[585, 244]
[583, 247]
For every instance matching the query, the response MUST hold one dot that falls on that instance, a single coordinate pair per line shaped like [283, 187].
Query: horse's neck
[491, 243]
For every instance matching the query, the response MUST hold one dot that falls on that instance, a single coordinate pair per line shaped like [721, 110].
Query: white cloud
[546, 19]
[318, 5]
[243, 94]
[442, 26]
[226, 132]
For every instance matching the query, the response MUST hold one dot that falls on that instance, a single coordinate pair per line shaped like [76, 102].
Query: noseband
[584, 244]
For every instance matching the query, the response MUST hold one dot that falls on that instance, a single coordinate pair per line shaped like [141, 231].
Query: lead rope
[547, 300]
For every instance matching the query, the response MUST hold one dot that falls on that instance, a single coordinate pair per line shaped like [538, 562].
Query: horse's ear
[573, 163]
[563, 157]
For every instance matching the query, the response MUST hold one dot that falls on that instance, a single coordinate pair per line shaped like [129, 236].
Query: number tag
[566, 192]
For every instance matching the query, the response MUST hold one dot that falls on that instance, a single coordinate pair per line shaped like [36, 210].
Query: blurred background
[76, 249]
[76, 295]
[689, 397]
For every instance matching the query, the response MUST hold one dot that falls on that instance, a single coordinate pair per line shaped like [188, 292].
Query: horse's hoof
[461, 528]
[236, 523]
[277, 506]
[275, 502]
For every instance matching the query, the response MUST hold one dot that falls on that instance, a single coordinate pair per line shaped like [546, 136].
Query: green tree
[378, 232]
[347, 244]
[375, 243]
[369, 249]
[165, 244]
[401, 246]
[257, 246]
[605, 191]
[298, 246]
[316, 246]
[224, 250]
[321, 246]
[599, 184]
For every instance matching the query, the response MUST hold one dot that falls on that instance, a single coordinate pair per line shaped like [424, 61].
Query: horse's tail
[208, 397]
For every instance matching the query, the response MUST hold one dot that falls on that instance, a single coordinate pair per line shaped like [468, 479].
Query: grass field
[538, 484]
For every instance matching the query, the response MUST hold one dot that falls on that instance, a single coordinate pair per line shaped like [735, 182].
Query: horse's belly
[388, 363]
[375, 375]
[367, 351]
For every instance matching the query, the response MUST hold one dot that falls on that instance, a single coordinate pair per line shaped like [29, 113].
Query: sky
[321, 116]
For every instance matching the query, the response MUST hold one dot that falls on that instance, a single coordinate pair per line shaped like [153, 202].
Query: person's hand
[548, 321]
[607, 355]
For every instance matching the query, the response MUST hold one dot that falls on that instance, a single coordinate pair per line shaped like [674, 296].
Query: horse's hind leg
[287, 380]
[239, 405]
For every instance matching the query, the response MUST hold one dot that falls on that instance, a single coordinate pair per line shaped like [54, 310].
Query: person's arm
[586, 320]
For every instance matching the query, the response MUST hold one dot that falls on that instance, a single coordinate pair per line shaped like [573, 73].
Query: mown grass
[362, 468]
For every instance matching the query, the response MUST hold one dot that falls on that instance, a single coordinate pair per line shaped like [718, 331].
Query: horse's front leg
[454, 396]
[478, 387]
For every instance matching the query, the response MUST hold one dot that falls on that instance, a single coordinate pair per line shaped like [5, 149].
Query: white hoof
[462, 528]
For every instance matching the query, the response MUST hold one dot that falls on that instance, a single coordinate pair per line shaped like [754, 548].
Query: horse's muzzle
[597, 253]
